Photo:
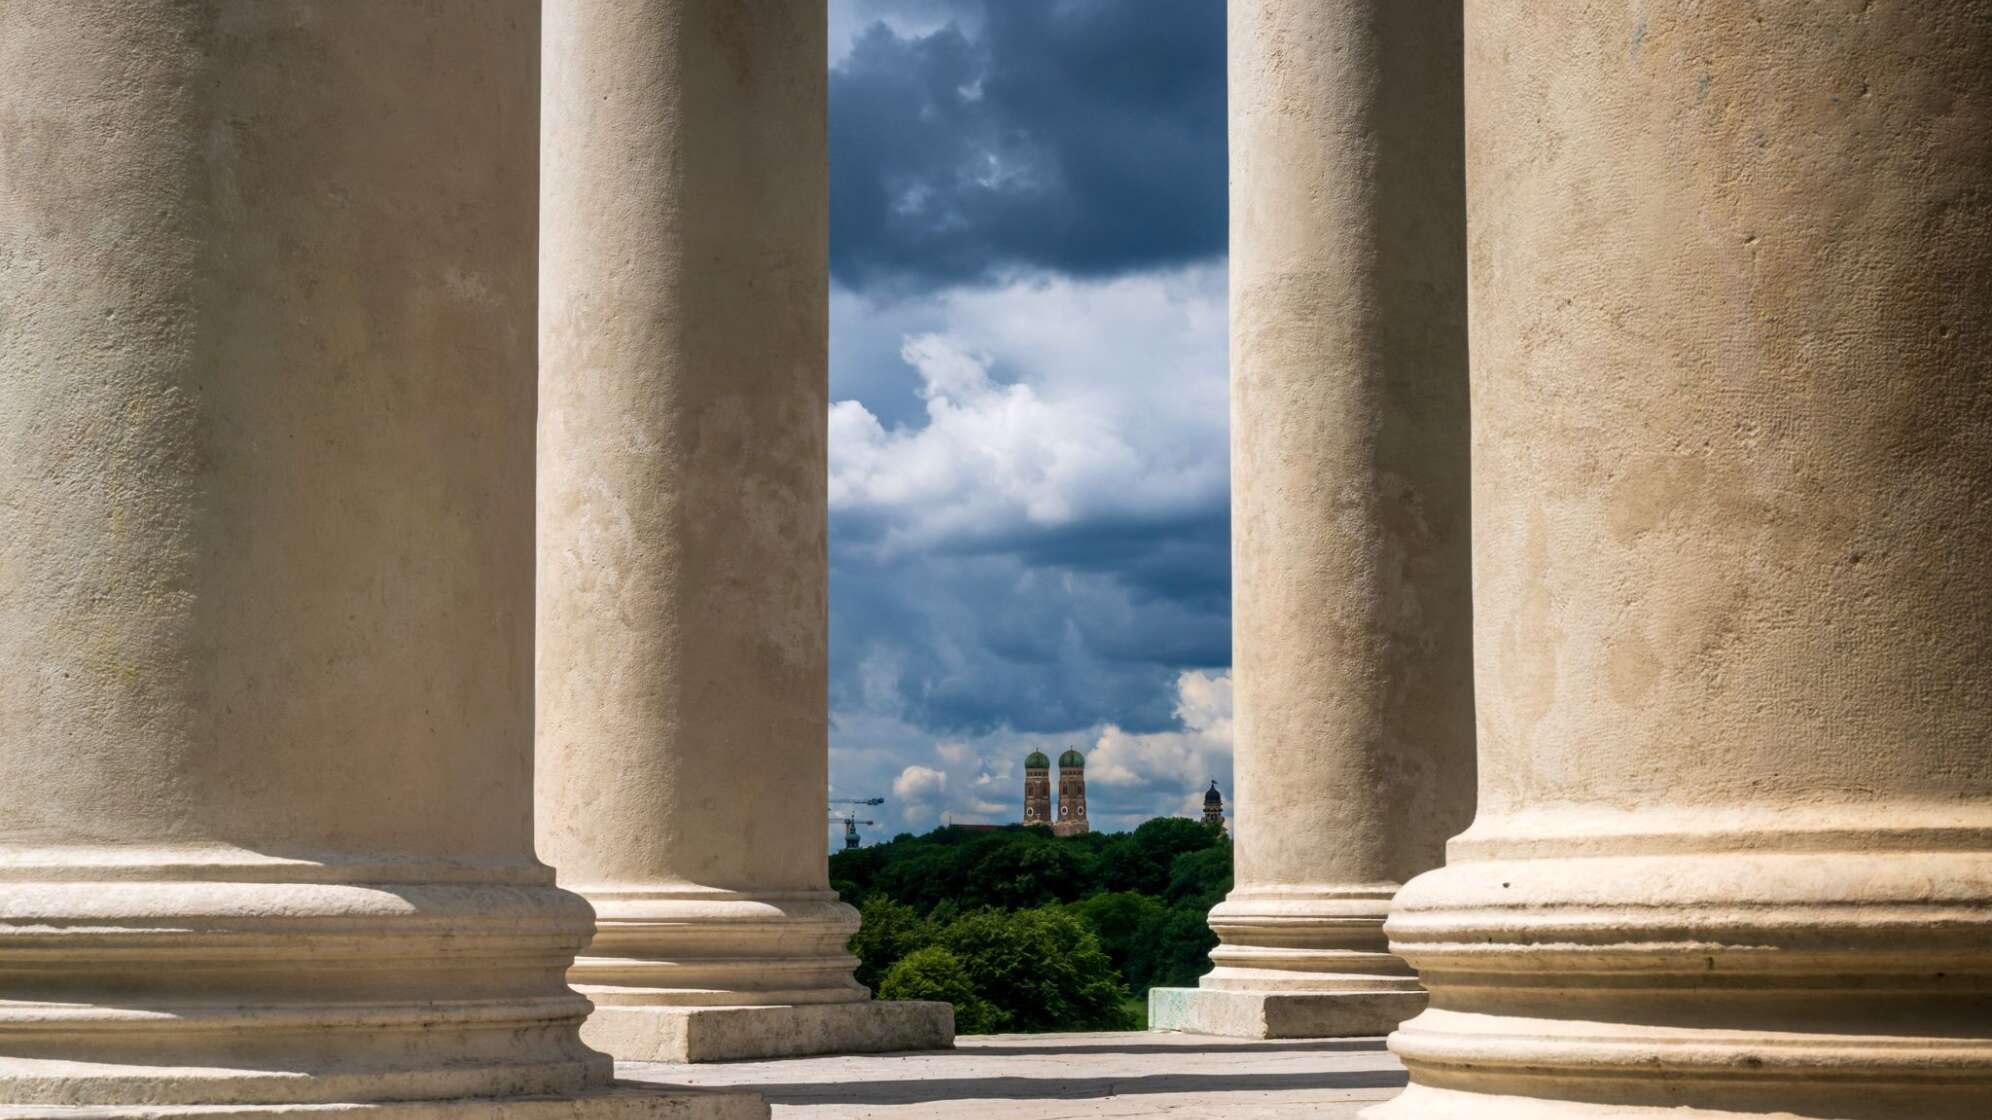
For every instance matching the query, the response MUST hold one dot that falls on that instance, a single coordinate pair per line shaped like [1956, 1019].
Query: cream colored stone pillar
[1351, 615]
[266, 408]
[682, 502]
[1732, 266]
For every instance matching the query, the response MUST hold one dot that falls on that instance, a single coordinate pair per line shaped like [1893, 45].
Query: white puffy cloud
[1204, 705]
[1048, 403]
[1150, 769]
[919, 791]
[990, 455]
[920, 783]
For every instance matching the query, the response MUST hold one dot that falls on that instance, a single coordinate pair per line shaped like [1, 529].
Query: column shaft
[682, 656]
[266, 406]
[1351, 604]
[1731, 274]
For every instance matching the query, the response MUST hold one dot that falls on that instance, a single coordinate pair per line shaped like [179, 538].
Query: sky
[1028, 469]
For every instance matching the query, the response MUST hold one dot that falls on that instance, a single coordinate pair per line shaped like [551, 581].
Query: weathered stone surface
[1732, 450]
[266, 420]
[1309, 1013]
[1351, 612]
[704, 1034]
[682, 643]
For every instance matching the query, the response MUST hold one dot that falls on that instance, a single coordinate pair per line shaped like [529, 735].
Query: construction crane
[851, 823]
[850, 818]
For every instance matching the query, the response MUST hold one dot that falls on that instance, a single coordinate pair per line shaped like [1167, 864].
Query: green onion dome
[1037, 760]
[1072, 758]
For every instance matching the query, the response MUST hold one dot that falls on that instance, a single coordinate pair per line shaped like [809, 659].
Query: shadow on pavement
[1298, 1045]
[924, 1089]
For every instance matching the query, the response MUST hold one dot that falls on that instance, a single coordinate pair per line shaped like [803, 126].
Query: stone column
[1732, 444]
[1351, 606]
[683, 750]
[266, 408]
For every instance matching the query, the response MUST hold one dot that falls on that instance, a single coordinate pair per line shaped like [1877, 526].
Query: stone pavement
[1066, 1077]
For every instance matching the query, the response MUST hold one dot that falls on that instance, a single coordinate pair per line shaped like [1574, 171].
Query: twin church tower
[1071, 792]
[1071, 820]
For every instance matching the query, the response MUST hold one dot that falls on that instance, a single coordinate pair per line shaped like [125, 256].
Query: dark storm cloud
[964, 645]
[1083, 138]
[1185, 559]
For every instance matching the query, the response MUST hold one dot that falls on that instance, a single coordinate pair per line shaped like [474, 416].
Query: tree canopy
[1025, 931]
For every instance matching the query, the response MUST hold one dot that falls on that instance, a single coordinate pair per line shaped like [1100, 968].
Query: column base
[1247, 1014]
[713, 1034]
[621, 1102]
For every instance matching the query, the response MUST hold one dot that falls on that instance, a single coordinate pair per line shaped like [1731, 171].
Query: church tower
[1213, 816]
[1037, 789]
[1071, 794]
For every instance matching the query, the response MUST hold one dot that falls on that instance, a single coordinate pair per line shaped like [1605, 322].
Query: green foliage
[1050, 933]
[1117, 919]
[1013, 869]
[1171, 950]
[888, 931]
[936, 974]
[1199, 879]
[1041, 969]
[1141, 860]
[1018, 868]
[1173, 946]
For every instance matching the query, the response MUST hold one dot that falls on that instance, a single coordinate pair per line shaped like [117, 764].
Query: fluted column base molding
[210, 982]
[1824, 971]
[1296, 962]
[1347, 1014]
[717, 1034]
[681, 973]
[1303, 961]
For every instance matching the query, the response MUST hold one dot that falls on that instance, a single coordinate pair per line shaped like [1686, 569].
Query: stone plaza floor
[1065, 1077]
